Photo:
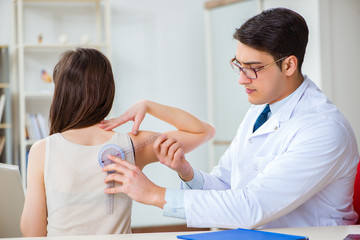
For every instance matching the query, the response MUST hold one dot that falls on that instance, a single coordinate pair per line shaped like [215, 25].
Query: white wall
[341, 55]
[5, 6]
[227, 100]
[158, 54]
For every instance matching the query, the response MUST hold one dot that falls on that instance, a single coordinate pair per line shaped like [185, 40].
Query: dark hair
[279, 31]
[84, 90]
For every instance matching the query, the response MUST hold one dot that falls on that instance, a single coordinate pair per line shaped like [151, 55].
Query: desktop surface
[313, 233]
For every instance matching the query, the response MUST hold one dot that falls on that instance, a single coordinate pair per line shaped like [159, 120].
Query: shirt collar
[277, 105]
[292, 100]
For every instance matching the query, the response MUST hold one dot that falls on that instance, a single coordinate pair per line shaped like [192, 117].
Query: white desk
[321, 233]
[314, 233]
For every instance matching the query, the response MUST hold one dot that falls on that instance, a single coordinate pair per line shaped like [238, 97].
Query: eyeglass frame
[255, 70]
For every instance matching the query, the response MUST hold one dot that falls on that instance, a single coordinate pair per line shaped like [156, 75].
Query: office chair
[356, 197]
[12, 199]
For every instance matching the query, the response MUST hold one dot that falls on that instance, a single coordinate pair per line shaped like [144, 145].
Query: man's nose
[243, 79]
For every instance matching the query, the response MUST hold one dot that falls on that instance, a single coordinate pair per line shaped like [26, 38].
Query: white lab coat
[296, 170]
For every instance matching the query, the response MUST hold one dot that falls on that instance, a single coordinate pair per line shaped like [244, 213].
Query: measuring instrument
[119, 152]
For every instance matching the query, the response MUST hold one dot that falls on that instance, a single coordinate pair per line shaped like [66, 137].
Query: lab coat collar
[284, 113]
[287, 110]
[271, 125]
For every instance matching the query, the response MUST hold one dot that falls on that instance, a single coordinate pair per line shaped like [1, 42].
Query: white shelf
[31, 57]
[4, 85]
[38, 95]
[6, 118]
[29, 142]
[5, 125]
[55, 47]
[61, 1]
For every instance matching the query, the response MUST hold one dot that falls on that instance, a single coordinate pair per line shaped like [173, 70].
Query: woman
[65, 185]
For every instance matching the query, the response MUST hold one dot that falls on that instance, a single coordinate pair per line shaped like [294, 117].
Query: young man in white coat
[293, 160]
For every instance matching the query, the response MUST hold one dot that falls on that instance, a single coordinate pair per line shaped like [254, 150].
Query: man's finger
[114, 190]
[165, 146]
[119, 177]
[119, 165]
[173, 148]
[121, 161]
[178, 155]
[159, 140]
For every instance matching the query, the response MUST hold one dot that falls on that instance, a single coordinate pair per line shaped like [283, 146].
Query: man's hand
[170, 153]
[135, 113]
[134, 183]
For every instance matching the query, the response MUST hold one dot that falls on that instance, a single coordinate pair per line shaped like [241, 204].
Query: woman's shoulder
[37, 154]
[38, 145]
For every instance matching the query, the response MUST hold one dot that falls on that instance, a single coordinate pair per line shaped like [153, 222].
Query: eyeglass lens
[249, 73]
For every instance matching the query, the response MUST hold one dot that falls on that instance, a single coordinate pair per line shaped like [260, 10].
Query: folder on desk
[243, 234]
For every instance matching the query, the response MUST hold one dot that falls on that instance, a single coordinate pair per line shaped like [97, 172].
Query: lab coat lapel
[284, 113]
[271, 125]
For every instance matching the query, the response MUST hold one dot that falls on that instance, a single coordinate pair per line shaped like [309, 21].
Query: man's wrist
[188, 176]
[159, 198]
[196, 183]
[174, 206]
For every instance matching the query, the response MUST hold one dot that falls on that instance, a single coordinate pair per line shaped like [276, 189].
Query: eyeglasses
[250, 72]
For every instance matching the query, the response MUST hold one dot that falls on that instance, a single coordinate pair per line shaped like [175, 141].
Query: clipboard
[240, 233]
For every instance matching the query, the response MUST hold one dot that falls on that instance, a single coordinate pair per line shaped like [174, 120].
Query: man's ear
[289, 65]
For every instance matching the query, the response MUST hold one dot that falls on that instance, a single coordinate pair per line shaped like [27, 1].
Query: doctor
[293, 160]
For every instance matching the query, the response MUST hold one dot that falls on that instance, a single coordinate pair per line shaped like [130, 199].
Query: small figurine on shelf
[45, 76]
[40, 38]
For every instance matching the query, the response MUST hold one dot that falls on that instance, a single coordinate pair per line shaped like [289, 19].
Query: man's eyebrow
[247, 63]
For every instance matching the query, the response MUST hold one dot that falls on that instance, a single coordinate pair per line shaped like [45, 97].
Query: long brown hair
[84, 90]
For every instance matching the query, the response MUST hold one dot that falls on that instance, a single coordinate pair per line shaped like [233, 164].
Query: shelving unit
[6, 150]
[42, 30]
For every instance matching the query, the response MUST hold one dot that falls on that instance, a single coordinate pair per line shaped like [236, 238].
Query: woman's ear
[290, 65]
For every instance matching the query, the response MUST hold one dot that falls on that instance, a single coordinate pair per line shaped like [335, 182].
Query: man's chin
[256, 101]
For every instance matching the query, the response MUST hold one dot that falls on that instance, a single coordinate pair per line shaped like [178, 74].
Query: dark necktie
[262, 118]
